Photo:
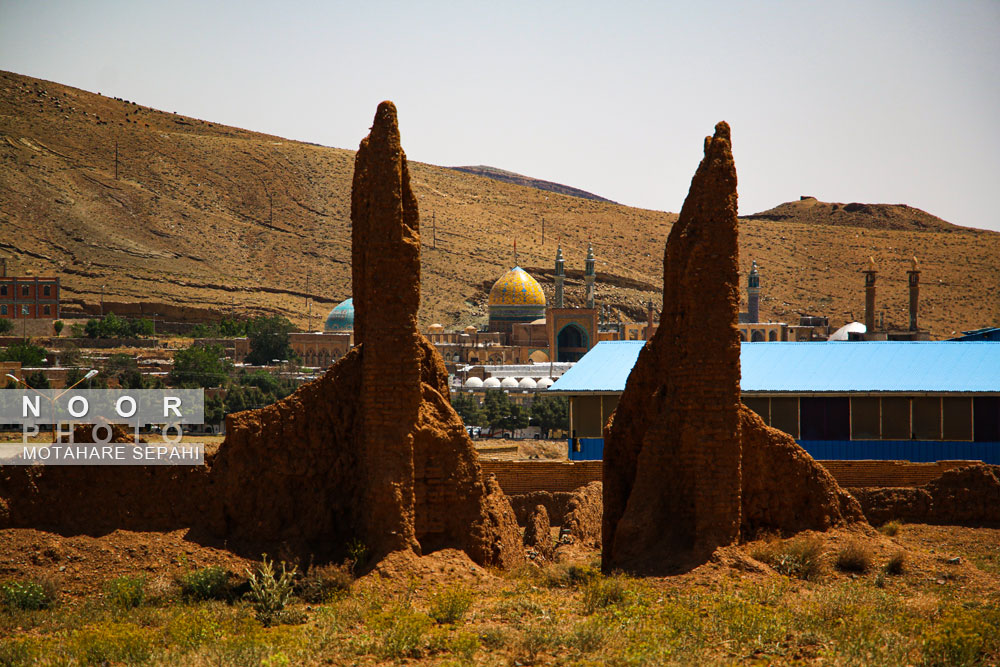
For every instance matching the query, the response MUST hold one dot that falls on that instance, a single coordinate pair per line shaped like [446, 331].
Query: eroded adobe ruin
[677, 483]
[371, 452]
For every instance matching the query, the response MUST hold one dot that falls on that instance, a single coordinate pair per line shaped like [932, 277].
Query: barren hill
[867, 216]
[205, 219]
[537, 183]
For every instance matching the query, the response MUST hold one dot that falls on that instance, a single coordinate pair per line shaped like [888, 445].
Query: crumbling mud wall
[554, 503]
[538, 532]
[966, 496]
[784, 490]
[583, 515]
[673, 455]
[371, 452]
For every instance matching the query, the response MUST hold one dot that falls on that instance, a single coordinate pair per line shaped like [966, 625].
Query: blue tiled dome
[341, 318]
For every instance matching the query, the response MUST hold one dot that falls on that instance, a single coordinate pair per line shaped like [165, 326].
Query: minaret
[753, 294]
[560, 277]
[914, 279]
[870, 274]
[589, 275]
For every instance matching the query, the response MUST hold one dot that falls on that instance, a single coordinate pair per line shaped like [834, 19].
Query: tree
[37, 380]
[25, 352]
[200, 365]
[214, 410]
[517, 417]
[57, 326]
[496, 405]
[269, 340]
[550, 413]
[6, 326]
[468, 409]
[112, 326]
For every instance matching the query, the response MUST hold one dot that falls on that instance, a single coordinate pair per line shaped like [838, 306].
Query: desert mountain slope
[537, 183]
[205, 218]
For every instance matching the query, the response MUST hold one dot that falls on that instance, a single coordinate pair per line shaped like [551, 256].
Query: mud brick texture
[673, 479]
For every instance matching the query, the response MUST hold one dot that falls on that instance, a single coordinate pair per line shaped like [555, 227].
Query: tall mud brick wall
[673, 478]
[372, 451]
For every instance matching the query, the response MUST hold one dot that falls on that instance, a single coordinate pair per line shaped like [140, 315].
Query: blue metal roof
[882, 366]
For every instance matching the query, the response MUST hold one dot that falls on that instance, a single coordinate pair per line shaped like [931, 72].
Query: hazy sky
[878, 102]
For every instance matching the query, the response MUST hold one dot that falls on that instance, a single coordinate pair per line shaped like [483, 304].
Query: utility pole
[309, 314]
[102, 302]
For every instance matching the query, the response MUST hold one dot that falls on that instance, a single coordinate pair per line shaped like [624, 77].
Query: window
[47, 310]
[24, 290]
[3, 310]
[826, 418]
[785, 415]
[895, 418]
[3, 290]
[986, 418]
[759, 405]
[864, 418]
[956, 412]
[927, 418]
[47, 290]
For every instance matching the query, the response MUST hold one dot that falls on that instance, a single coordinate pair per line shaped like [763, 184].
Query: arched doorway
[571, 343]
[757, 336]
[772, 336]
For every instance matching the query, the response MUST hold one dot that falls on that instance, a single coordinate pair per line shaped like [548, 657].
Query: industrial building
[915, 401]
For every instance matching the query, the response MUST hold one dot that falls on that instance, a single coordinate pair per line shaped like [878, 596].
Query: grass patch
[854, 557]
[801, 557]
[450, 604]
[890, 528]
[28, 595]
[896, 564]
[600, 593]
[207, 583]
[323, 583]
[124, 593]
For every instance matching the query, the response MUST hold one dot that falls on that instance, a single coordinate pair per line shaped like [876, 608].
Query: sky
[875, 101]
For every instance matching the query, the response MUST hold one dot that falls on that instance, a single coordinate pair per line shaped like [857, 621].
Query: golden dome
[516, 288]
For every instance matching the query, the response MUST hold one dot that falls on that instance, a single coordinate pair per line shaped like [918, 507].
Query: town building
[28, 297]
[888, 400]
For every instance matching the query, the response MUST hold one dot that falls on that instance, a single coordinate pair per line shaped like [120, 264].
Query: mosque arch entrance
[572, 343]
[757, 336]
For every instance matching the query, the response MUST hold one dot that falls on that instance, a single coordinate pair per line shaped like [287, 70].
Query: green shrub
[207, 583]
[966, 638]
[535, 640]
[801, 557]
[270, 592]
[125, 592]
[600, 593]
[321, 584]
[588, 636]
[450, 605]
[400, 633]
[896, 564]
[357, 555]
[854, 557]
[28, 595]
[112, 643]
[891, 528]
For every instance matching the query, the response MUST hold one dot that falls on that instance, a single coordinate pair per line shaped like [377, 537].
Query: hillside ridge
[209, 218]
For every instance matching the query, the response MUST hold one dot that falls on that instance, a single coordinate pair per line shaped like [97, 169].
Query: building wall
[29, 297]
[516, 477]
[320, 349]
[763, 332]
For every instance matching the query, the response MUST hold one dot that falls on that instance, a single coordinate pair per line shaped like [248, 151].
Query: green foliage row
[499, 412]
[112, 326]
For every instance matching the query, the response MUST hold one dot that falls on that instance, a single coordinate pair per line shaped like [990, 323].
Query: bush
[112, 643]
[854, 557]
[896, 564]
[890, 529]
[321, 584]
[601, 593]
[270, 592]
[125, 592]
[450, 605]
[801, 557]
[969, 637]
[207, 583]
[28, 595]
[401, 633]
